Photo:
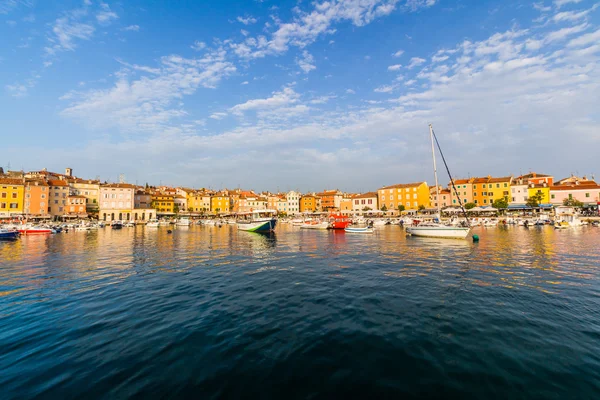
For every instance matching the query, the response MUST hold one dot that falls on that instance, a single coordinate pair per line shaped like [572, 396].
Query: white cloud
[541, 7]
[198, 45]
[306, 27]
[322, 99]
[105, 15]
[584, 40]
[436, 59]
[306, 63]
[573, 15]
[415, 62]
[350, 91]
[398, 53]
[384, 89]
[280, 99]
[7, 6]
[563, 33]
[149, 103]
[21, 89]
[132, 28]
[560, 3]
[218, 115]
[247, 20]
[65, 32]
[395, 67]
[244, 83]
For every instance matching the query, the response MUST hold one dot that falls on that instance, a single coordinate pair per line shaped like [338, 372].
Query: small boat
[315, 225]
[116, 225]
[338, 221]
[33, 230]
[561, 225]
[258, 221]
[184, 221]
[365, 229]
[152, 223]
[6, 234]
[164, 222]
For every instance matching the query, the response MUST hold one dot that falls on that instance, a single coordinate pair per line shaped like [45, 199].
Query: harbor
[142, 312]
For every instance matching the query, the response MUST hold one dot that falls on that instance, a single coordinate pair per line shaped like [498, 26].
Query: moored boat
[116, 225]
[152, 223]
[34, 230]
[438, 231]
[184, 221]
[365, 229]
[8, 234]
[315, 225]
[258, 221]
[338, 221]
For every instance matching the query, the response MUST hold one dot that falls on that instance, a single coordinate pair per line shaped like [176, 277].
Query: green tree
[421, 207]
[367, 208]
[176, 209]
[468, 206]
[384, 208]
[190, 209]
[572, 203]
[500, 204]
[535, 200]
[401, 208]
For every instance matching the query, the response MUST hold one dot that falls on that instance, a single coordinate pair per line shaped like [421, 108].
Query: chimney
[69, 172]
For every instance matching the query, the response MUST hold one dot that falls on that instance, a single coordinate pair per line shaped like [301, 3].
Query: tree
[367, 208]
[176, 209]
[535, 200]
[421, 207]
[384, 208]
[468, 206]
[401, 208]
[500, 204]
[190, 209]
[572, 203]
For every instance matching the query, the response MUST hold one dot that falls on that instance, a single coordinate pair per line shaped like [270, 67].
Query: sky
[282, 95]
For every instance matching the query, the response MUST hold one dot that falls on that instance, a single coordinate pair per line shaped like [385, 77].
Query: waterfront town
[63, 196]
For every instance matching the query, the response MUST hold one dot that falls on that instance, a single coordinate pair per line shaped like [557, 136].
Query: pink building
[586, 191]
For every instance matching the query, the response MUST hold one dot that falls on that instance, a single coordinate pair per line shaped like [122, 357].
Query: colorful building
[310, 203]
[90, 189]
[36, 198]
[575, 188]
[59, 191]
[117, 201]
[164, 204]
[365, 202]
[445, 197]
[76, 206]
[410, 195]
[11, 197]
[220, 203]
[293, 202]
[464, 187]
[330, 200]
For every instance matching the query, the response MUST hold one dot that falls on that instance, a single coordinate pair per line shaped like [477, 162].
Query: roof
[11, 181]
[119, 185]
[329, 193]
[365, 195]
[76, 197]
[36, 182]
[57, 183]
[462, 181]
[533, 175]
[587, 186]
[403, 185]
[86, 181]
[500, 179]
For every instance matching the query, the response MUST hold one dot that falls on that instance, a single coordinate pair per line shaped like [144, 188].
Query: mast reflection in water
[210, 312]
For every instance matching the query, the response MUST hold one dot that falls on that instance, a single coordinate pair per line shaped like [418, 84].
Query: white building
[293, 202]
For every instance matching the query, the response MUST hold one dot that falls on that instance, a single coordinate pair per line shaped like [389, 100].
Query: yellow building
[11, 196]
[310, 203]
[499, 188]
[198, 202]
[410, 195]
[543, 188]
[163, 203]
[220, 203]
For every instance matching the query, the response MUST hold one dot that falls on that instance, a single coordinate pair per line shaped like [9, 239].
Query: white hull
[446, 232]
[359, 230]
[320, 225]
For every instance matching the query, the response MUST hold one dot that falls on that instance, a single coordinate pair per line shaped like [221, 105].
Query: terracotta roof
[119, 185]
[11, 181]
[480, 180]
[36, 182]
[462, 181]
[57, 183]
[365, 195]
[571, 186]
[402, 185]
[500, 179]
[533, 175]
[86, 181]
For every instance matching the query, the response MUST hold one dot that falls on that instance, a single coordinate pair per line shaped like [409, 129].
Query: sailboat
[437, 230]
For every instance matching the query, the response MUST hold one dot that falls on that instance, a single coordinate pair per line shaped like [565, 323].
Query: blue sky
[296, 94]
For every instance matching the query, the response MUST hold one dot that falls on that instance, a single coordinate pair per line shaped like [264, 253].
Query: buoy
[169, 231]
[476, 238]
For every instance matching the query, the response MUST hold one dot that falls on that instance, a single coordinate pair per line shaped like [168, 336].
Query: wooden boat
[365, 229]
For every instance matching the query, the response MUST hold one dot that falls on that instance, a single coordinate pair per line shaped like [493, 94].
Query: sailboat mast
[437, 187]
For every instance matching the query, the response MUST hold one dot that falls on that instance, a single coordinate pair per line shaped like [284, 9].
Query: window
[506, 185]
[454, 201]
[475, 201]
[42, 204]
[474, 193]
[551, 196]
[587, 195]
[3, 195]
[498, 185]
[14, 205]
[414, 196]
[513, 199]
[370, 201]
[474, 186]
[416, 204]
[399, 197]
[570, 196]
[55, 201]
[382, 197]
[2, 205]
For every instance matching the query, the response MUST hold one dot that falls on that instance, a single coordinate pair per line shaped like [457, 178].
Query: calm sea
[211, 312]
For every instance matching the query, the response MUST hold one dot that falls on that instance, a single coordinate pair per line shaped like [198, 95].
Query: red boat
[339, 221]
[33, 230]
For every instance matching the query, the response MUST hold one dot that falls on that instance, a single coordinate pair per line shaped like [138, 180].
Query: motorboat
[258, 221]
[339, 221]
[9, 234]
[357, 229]
[152, 223]
[315, 225]
[28, 229]
[184, 221]
[561, 225]
[116, 225]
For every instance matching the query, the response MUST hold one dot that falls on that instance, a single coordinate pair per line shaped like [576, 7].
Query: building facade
[116, 202]
[310, 203]
[90, 189]
[11, 197]
[365, 202]
[410, 195]
[293, 202]
[59, 191]
[36, 198]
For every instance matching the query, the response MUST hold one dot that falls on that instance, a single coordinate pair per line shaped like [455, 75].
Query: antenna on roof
[121, 178]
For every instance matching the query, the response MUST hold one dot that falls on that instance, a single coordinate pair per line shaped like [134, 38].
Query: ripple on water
[216, 313]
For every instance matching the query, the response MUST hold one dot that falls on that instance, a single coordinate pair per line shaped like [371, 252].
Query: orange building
[330, 200]
[36, 198]
[310, 203]
[409, 195]
[76, 206]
